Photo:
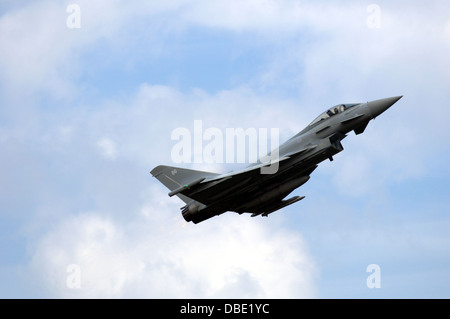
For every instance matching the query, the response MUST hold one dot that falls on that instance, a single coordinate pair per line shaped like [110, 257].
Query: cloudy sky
[90, 92]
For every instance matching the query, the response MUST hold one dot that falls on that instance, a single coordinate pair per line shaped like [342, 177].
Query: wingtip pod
[187, 186]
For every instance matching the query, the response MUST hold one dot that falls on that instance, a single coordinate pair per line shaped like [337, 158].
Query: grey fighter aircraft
[261, 193]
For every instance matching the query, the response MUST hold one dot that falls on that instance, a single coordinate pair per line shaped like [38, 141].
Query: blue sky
[86, 113]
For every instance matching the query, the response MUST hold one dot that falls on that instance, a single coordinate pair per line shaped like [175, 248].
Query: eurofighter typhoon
[261, 188]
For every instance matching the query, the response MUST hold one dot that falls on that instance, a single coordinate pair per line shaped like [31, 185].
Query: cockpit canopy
[332, 111]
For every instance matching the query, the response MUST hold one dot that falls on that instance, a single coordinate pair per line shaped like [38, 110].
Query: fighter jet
[258, 192]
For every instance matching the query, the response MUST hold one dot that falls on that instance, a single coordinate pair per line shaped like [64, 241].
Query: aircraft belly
[231, 188]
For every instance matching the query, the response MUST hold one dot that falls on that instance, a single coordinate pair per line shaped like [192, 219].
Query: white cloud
[352, 174]
[41, 54]
[107, 148]
[157, 255]
[330, 56]
[140, 126]
[247, 15]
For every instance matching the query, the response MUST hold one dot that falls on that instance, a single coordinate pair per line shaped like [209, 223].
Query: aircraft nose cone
[379, 106]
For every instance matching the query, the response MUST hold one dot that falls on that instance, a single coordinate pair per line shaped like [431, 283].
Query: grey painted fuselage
[260, 188]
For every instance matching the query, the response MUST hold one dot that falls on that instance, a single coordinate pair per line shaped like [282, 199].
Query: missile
[187, 186]
[275, 192]
[283, 203]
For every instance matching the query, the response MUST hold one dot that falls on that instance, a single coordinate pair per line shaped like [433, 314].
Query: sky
[91, 91]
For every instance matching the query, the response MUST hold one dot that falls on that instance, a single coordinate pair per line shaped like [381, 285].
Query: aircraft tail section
[177, 179]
